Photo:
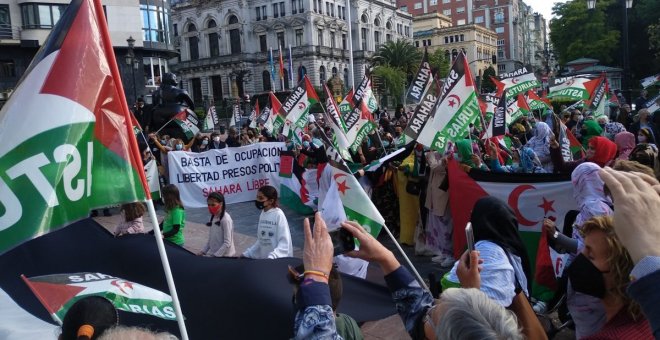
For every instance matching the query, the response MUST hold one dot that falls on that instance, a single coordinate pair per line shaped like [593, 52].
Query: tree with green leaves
[393, 81]
[439, 63]
[487, 84]
[577, 32]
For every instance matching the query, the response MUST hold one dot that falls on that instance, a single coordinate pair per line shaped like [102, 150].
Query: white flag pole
[166, 267]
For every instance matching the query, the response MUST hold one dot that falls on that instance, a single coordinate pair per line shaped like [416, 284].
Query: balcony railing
[11, 32]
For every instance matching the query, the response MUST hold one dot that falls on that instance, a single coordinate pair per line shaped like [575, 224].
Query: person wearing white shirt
[273, 234]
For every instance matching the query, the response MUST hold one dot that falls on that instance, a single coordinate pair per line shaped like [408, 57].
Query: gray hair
[470, 314]
[134, 333]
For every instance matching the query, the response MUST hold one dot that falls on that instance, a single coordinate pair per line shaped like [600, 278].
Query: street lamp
[132, 62]
[591, 4]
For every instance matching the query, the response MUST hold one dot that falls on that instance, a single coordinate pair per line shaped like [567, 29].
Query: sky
[543, 6]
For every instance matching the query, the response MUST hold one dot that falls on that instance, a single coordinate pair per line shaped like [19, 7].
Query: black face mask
[586, 278]
[259, 205]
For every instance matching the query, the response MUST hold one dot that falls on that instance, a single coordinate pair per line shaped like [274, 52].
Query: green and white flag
[297, 105]
[151, 170]
[535, 102]
[650, 81]
[516, 108]
[519, 81]
[211, 119]
[275, 119]
[598, 98]
[359, 122]
[68, 144]
[456, 109]
[572, 89]
[58, 292]
[187, 120]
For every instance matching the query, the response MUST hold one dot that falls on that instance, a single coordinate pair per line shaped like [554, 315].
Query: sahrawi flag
[297, 105]
[253, 115]
[531, 197]
[211, 119]
[275, 119]
[423, 111]
[535, 102]
[517, 108]
[352, 201]
[58, 292]
[457, 108]
[574, 89]
[359, 121]
[497, 126]
[650, 81]
[346, 105]
[599, 98]
[334, 120]
[187, 120]
[518, 81]
[80, 154]
[235, 116]
[298, 186]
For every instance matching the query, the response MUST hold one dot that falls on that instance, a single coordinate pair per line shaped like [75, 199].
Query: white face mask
[216, 139]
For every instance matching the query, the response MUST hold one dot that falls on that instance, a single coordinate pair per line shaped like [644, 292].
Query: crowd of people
[486, 293]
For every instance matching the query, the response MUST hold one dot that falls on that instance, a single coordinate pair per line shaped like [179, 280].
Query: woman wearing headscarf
[625, 143]
[468, 160]
[610, 129]
[540, 144]
[600, 150]
[506, 266]
[524, 161]
[590, 129]
[587, 311]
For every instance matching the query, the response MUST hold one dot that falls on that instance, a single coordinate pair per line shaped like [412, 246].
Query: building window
[301, 8]
[501, 68]
[327, 8]
[263, 44]
[216, 86]
[499, 17]
[460, 9]
[499, 30]
[320, 6]
[364, 19]
[155, 23]
[265, 80]
[417, 43]
[344, 45]
[447, 12]
[460, 22]
[276, 12]
[388, 37]
[299, 37]
[404, 8]
[258, 11]
[462, 37]
[332, 10]
[500, 52]
[264, 13]
[364, 39]
[214, 45]
[193, 43]
[479, 20]
[282, 9]
[377, 39]
[5, 23]
[285, 72]
[175, 30]
[319, 38]
[197, 90]
[7, 69]
[500, 42]
[334, 72]
[234, 36]
[446, 1]
[433, 2]
[346, 81]
[294, 7]
[322, 75]
[418, 5]
[332, 40]
[280, 39]
[302, 71]
[153, 68]
[41, 15]
[316, 7]
[428, 42]
[399, 29]
[446, 40]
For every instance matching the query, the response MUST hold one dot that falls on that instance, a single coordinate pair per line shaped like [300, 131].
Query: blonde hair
[619, 260]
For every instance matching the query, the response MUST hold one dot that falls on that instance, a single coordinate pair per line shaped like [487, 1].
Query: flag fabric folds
[275, 118]
[187, 121]
[421, 82]
[297, 105]
[298, 186]
[211, 119]
[535, 102]
[518, 81]
[58, 292]
[573, 89]
[84, 155]
[254, 115]
[335, 121]
[650, 81]
[359, 121]
[456, 109]
[211, 291]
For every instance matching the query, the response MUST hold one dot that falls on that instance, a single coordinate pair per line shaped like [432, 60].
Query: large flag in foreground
[58, 292]
[298, 186]
[531, 196]
[227, 282]
[67, 140]
[457, 107]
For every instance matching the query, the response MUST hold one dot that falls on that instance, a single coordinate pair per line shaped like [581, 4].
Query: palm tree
[401, 54]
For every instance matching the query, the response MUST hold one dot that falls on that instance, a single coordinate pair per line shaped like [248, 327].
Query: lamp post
[132, 62]
[591, 4]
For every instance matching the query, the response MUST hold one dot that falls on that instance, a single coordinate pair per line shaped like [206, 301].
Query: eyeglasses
[428, 321]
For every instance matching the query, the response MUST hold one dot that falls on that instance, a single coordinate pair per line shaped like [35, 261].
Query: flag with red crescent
[296, 106]
[517, 82]
[68, 144]
[532, 197]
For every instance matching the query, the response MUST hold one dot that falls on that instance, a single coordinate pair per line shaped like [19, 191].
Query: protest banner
[237, 173]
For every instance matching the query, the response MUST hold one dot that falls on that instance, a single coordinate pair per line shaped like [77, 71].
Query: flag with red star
[532, 197]
[58, 292]
[456, 109]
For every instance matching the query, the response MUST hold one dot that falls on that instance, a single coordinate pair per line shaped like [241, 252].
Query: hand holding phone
[469, 238]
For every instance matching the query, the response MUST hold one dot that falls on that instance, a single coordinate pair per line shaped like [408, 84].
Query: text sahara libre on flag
[84, 154]
[58, 292]
[456, 109]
